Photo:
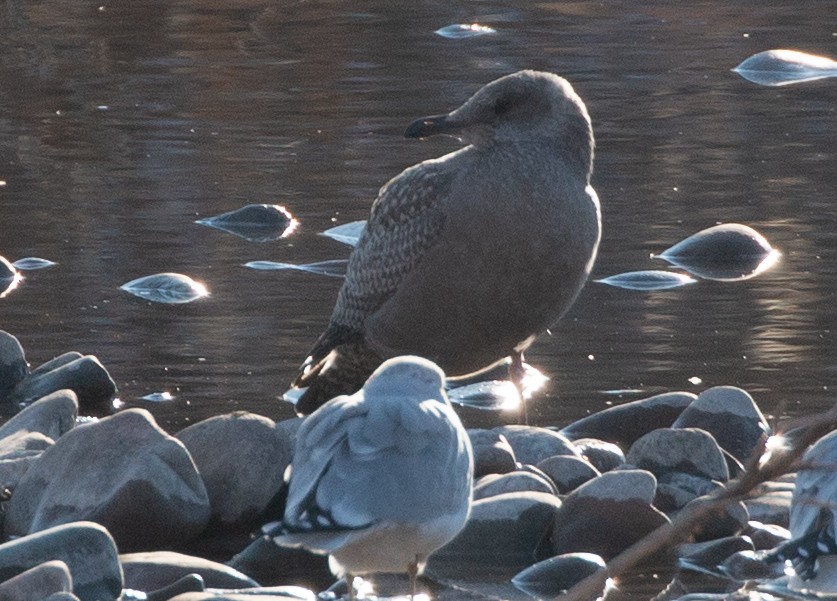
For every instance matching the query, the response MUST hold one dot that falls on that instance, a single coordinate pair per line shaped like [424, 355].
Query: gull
[812, 548]
[466, 258]
[382, 478]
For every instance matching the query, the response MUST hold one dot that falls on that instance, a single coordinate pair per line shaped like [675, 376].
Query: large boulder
[84, 375]
[123, 472]
[241, 458]
[154, 570]
[13, 367]
[52, 415]
[87, 550]
[532, 444]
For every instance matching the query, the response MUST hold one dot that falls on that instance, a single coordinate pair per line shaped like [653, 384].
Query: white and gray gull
[382, 478]
[466, 258]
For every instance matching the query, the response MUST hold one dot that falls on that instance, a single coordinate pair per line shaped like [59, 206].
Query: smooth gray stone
[729, 523]
[61, 597]
[154, 570]
[23, 444]
[85, 376]
[38, 582]
[12, 470]
[268, 563]
[532, 444]
[505, 531]
[552, 577]
[731, 416]
[102, 471]
[602, 455]
[688, 450]
[624, 424]
[241, 458]
[52, 415]
[492, 453]
[56, 362]
[711, 554]
[766, 536]
[676, 489]
[607, 514]
[568, 472]
[275, 593]
[86, 548]
[520, 481]
[771, 508]
[13, 367]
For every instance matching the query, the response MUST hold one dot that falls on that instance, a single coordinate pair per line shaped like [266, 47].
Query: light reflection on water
[122, 126]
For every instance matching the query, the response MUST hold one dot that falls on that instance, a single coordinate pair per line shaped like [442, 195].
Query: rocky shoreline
[103, 509]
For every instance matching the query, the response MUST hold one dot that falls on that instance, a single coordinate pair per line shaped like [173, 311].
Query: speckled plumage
[466, 258]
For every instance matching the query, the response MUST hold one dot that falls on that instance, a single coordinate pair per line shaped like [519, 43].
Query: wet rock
[506, 531]
[190, 583]
[103, 471]
[552, 577]
[241, 458]
[268, 563]
[52, 416]
[568, 472]
[710, 554]
[61, 597]
[771, 508]
[56, 362]
[602, 455]
[38, 582]
[676, 489]
[624, 424]
[592, 518]
[765, 536]
[12, 470]
[157, 569]
[687, 450]
[750, 565]
[731, 416]
[86, 548]
[13, 367]
[276, 593]
[729, 523]
[492, 453]
[519, 481]
[532, 444]
[85, 376]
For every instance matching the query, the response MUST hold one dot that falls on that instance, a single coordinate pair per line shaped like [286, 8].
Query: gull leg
[350, 583]
[516, 373]
[412, 572]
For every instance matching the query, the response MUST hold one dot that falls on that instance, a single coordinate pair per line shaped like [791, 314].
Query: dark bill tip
[429, 126]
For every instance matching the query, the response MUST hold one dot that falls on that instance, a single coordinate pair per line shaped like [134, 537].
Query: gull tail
[343, 371]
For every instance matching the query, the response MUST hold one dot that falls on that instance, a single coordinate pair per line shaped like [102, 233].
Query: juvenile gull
[466, 258]
[381, 478]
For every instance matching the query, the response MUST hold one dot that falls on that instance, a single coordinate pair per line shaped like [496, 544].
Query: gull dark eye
[503, 105]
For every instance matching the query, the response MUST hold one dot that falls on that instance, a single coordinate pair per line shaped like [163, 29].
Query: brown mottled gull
[466, 258]
[382, 478]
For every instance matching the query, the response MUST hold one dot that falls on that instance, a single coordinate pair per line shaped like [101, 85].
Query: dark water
[123, 122]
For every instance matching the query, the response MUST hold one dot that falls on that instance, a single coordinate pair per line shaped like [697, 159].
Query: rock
[568, 472]
[158, 569]
[492, 453]
[520, 481]
[190, 583]
[85, 376]
[750, 565]
[687, 450]
[38, 582]
[52, 415]
[241, 458]
[604, 456]
[624, 424]
[676, 489]
[765, 536]
[12, 470]
[23, 444]
[593, 516]
[731, 416]
[13, 367]
[86, 548]
[267, 562]
[504, 531]
[532, 444]
[710, 554]
[61, 597]
[553, 577]
[730, 523]
[771, 508]
[103, 471]
[276, 593]
[56, 362]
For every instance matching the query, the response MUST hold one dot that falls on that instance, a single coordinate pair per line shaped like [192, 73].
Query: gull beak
[430, 126]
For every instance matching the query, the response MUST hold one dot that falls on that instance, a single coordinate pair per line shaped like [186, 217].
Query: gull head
[527, 106]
